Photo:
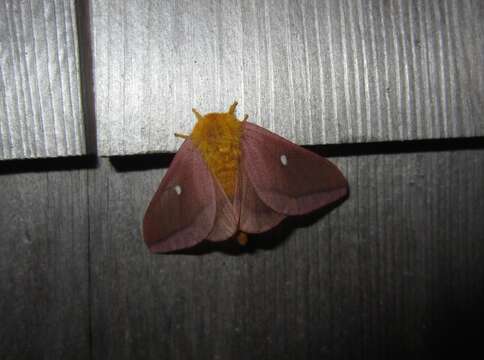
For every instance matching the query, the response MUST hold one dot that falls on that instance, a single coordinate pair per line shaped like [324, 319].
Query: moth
[231, 178]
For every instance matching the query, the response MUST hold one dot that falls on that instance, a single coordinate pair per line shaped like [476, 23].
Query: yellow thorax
[217, 137]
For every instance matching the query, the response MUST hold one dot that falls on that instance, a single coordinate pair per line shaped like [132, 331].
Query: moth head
[213, 126]
[227, 116]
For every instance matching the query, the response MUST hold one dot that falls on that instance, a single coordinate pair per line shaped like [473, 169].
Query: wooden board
[394, 272]
[44, 265]
[316, 72]
[40, 102]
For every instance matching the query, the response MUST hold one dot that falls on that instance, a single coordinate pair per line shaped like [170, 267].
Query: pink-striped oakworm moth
[231, 178]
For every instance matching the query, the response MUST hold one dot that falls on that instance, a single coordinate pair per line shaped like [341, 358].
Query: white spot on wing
[178, 189]
[284, 160]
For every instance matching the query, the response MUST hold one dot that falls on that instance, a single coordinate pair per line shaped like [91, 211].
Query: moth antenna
[197, 114]
[232, 107]
[246, 116]
[183, 136]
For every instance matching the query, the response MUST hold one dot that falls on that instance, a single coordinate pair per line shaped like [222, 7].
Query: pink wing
[255, 215]
[288, 178]
[184, 209]
[225, 224]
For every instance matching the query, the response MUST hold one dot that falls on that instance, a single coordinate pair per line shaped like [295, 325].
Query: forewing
[288, 178]
[182, 211]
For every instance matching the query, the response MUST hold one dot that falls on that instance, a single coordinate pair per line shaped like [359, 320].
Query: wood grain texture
[316, 72]
[40, 103]
[44, 308]
[393, 272]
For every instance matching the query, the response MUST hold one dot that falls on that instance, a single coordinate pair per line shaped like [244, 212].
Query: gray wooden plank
[40, 103]
[313, 71]
[389, 273]
[44, 305]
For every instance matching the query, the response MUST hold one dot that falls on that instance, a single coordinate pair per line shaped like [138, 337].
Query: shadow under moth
[231, 178]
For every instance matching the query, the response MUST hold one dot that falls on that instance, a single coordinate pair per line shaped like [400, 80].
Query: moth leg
[246, 116]
[242, 238]
[183, 136]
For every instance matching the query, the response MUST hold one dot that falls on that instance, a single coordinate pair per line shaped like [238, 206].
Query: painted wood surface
[396, 271]
[40, 96]
[316, 72]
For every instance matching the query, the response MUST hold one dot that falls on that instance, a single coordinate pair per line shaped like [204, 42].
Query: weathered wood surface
[40, 103]
[396, 271]
[316, 72]
[44, 267]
